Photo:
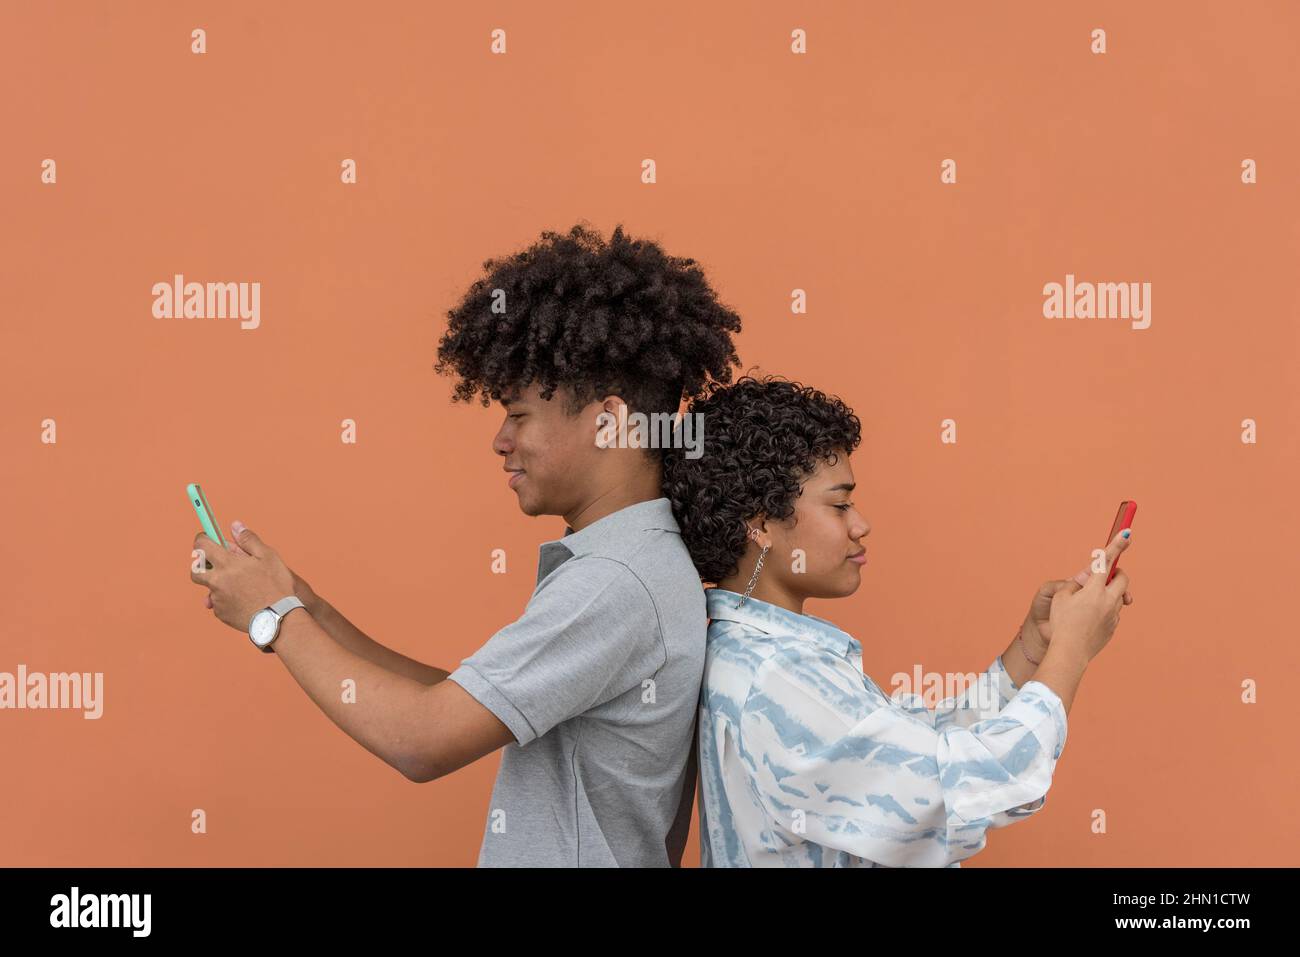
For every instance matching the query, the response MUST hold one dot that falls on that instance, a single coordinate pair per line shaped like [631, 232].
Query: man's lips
[515, 476]
[859, 557]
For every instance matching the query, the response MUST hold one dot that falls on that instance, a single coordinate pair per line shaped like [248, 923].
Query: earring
[753, 533]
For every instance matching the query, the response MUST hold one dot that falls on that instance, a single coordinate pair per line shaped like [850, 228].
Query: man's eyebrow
[843, 487]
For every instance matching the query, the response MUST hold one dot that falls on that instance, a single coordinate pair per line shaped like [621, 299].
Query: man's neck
[642, 487]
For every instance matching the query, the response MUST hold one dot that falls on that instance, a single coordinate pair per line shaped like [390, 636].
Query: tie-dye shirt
[806, 762]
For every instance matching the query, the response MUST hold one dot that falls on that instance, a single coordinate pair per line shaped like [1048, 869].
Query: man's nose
[501, 443]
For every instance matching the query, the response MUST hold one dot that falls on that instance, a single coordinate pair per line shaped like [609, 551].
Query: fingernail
[237, 527]
[1125, 533]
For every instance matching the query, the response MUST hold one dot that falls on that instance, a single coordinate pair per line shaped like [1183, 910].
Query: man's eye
[516, 415]
[845, 507]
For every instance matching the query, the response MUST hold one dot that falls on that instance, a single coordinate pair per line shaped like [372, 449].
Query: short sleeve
[852, 772]
[589, 633]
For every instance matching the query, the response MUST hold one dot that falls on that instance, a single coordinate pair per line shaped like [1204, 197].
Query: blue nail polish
[1125, 533]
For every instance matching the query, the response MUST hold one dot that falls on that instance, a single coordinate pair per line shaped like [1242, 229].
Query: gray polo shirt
[599, 681]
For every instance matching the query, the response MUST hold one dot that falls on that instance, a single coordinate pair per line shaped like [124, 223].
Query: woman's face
[817, 553]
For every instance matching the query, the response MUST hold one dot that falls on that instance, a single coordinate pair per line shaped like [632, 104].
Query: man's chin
[529, 506]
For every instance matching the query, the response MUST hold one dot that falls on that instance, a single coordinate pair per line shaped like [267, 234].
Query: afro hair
[594, 317]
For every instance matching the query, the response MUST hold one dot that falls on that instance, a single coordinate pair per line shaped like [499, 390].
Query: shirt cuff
[486, 694]
[1040, 710]
[1051, 735]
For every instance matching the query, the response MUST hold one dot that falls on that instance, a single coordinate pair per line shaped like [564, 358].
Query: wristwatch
[264, 626]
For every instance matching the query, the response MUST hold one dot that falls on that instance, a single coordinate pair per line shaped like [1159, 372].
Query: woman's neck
[767, 589]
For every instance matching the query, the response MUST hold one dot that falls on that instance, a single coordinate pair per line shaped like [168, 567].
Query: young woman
[804, 760]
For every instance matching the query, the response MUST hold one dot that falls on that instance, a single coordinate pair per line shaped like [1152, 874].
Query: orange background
[776, 172]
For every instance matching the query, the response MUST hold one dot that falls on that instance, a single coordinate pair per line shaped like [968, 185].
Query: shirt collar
[602, 534]
[775, 620]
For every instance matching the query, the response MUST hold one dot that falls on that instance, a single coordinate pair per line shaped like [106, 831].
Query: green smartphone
[209, 521]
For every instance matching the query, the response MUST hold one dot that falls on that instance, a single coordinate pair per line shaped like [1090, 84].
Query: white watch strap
[284, 605]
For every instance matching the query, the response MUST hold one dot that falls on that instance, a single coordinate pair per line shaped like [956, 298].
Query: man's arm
[422, 730]
[358, 642]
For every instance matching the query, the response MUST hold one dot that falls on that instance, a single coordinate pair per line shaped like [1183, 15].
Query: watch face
[262, 629]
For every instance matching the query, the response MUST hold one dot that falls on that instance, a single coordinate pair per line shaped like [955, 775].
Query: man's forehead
[530, 394]
[517, 396]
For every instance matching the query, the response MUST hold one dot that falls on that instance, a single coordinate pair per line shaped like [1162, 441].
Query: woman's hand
[1089, 615]
[1036, 631]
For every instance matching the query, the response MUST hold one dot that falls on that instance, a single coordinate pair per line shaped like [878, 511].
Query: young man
[593, 690]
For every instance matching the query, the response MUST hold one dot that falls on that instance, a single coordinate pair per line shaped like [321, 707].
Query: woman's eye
[845, 507]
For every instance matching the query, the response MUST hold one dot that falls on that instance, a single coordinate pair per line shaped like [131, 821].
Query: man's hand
[242, 581]
[304, 591]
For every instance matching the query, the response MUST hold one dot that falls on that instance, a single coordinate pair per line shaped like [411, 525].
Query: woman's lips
[860, 558]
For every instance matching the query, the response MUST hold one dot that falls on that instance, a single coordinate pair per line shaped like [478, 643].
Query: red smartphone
[1123, 520]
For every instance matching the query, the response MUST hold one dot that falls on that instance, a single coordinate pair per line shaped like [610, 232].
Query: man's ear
[608, 412]
[612, 403]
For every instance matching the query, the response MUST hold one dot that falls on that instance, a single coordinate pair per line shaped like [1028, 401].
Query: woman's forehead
[829, 474]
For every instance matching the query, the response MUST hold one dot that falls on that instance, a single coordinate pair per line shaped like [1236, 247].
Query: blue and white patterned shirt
[806, 762]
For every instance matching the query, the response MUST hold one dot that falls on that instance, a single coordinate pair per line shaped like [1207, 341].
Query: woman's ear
[758, 532]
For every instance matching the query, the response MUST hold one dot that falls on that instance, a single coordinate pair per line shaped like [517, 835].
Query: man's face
[827, 527]
[547, 452]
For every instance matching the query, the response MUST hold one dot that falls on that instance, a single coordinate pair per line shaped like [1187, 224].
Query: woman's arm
[839, 766]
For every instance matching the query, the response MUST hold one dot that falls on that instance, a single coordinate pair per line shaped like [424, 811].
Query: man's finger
[216, 555]
[247, 539]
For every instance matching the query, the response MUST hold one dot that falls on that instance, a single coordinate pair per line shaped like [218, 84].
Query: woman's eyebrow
[843, 487]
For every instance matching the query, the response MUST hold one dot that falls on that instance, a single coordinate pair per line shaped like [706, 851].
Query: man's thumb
[247, 539]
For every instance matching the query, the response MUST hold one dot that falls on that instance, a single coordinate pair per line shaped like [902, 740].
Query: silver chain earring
[753, 533]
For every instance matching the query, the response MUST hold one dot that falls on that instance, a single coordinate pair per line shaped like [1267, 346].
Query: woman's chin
[853, 587]
[841, 586]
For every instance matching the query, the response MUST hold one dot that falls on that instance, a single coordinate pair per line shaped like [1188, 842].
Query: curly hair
[762, 439]
[594, 317]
